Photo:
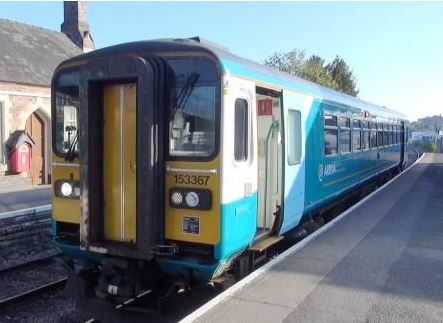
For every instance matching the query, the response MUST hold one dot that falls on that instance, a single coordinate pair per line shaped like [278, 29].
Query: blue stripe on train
[238, 226]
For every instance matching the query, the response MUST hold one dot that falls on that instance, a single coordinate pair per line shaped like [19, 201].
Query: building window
[345, 135]
[330, 135]
[241, 130]
[294, 137]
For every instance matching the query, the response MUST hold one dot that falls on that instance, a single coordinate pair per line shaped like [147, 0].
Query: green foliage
[314, 70]
[290, 62]
[427, 146]
[343, 76]
[336, 75]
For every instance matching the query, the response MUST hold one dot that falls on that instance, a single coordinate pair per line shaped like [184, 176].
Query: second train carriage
[180, 154]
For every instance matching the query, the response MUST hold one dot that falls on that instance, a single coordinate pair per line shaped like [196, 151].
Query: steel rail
[22, 265]
[34, 214]
[38, 290]
[27, 211]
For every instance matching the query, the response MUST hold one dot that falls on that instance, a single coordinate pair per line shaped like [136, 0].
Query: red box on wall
[264, 107]
[20, 158]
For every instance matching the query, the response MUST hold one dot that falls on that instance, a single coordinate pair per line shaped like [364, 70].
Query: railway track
[45, 259]
[33, 291]
[22, 222]
[58, 284]
[34, 214]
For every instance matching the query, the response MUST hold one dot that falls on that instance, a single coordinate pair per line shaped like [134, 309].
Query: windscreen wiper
[71, 150]
[185, 92]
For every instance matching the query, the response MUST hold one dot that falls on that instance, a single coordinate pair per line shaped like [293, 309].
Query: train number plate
[191, 225]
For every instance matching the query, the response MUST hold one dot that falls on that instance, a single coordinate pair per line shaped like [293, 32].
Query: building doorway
[35, 128]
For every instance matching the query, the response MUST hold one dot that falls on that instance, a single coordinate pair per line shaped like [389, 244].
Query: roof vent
[209, 43]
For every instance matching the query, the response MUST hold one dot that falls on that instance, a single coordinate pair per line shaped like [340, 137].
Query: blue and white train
[178, 155]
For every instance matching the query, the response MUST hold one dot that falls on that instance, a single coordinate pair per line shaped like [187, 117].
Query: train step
[263, 244]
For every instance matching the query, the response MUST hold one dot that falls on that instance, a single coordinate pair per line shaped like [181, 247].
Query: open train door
[121, 170]
[295, 107]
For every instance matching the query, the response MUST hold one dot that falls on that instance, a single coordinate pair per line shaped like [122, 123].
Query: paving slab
[27, 197]
[382, 262]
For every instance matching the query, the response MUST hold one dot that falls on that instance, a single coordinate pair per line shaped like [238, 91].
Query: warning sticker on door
[191, 225]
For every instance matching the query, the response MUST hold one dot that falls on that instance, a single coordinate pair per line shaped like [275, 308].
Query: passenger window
[380, 135]
[345, 135]
[356, 136]
[373, 139]
[241, 130]
[330, 135]
[365, 135]
[294, 137]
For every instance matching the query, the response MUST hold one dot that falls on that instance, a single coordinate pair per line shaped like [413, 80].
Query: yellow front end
[187, 224]
[65, 209]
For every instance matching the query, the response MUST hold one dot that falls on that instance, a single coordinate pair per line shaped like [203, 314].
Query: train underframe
[120, 284]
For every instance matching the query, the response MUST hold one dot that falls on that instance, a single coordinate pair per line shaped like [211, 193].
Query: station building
[28, 58]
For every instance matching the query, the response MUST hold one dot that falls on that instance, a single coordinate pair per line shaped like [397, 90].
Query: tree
[314, 70]
[336, 75]
[343, 76]
[290, 62]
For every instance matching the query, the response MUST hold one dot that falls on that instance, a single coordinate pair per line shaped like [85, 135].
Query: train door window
[241, 130]
[294, 137]
[330, 135]
[356, 135]
[345, 135]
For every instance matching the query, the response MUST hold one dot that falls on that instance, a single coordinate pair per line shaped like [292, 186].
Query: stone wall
[19, 102]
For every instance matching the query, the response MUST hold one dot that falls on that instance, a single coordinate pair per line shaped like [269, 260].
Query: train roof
[243, 67]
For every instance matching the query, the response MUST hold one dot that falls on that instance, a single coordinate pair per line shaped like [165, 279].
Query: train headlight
[66, 189]
[192, 199]
[176, 198]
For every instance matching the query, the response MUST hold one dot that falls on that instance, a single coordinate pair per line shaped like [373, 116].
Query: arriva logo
[330, 169]
[320, 172]
[327, 170]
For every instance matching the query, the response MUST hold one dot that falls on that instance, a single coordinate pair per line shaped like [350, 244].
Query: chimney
[76, 26]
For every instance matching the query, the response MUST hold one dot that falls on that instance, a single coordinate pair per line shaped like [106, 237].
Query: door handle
[133, 166]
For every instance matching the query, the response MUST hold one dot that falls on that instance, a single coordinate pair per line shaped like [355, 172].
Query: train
[176, 158]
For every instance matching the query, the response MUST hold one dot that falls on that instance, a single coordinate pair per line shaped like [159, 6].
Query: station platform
[380, 261]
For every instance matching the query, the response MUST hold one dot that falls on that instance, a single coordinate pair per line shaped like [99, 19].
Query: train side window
[356, 135]
[386, 135]
[380, 135]
[241, 130]
[294, 137]
[373, 139]
[345, 135]
[365, 135]
[330, 135]
[391, 136]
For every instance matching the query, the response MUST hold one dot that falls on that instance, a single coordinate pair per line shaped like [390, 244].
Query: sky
[395, 49]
